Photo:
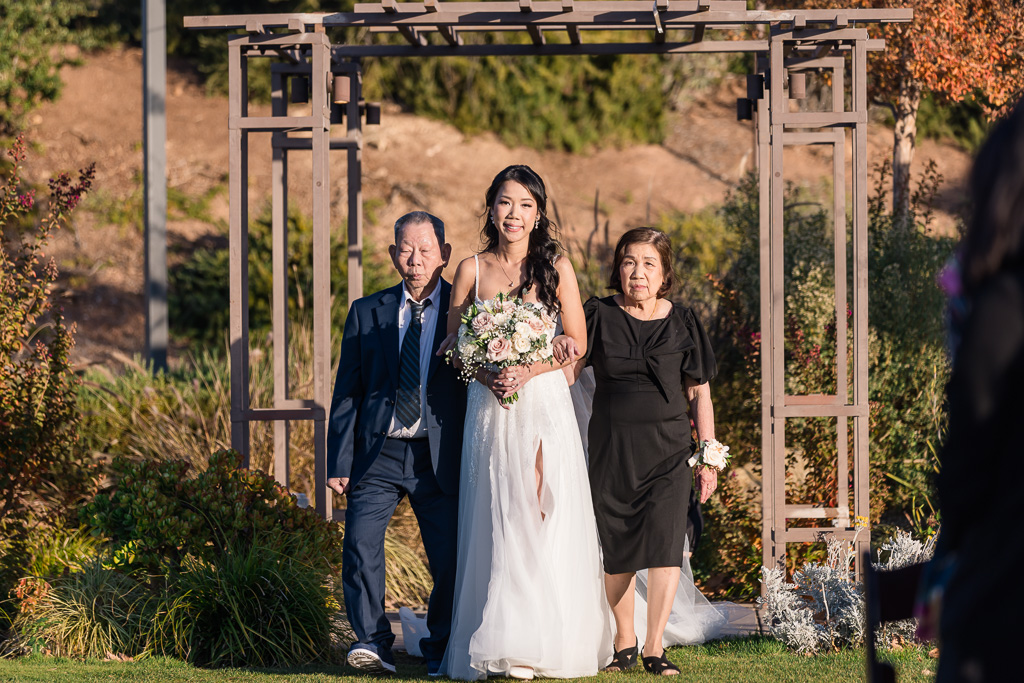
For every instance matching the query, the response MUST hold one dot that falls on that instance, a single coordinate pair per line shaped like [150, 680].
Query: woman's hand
[449, 344]
[564, 349]
[514, 377]
[707, 481]
[492, 380]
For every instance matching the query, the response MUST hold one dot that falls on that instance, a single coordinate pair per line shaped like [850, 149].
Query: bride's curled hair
[544, 248]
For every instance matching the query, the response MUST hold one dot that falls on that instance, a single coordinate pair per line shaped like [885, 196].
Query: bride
[529, 587]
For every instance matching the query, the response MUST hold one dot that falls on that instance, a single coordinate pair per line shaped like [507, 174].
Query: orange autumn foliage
[954, 49]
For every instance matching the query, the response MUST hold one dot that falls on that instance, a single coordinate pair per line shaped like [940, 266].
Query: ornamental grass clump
[94, 612]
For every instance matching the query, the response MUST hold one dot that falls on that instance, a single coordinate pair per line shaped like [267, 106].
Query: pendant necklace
[498, 260]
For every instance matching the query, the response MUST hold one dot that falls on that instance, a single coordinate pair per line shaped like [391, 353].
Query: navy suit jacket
[365, 391]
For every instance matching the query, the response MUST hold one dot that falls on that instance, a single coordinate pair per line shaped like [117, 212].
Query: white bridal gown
[529, 591]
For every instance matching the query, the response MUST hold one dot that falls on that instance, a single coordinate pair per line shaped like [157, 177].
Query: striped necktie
[408, 407]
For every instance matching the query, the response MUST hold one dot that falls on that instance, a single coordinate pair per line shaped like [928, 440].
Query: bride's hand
[514, 377]
[564, 348]
[492, 380]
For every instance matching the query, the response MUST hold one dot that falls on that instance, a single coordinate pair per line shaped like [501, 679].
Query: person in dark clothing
[983, 457]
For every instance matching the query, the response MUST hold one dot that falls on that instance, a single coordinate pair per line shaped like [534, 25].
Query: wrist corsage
[711, 453]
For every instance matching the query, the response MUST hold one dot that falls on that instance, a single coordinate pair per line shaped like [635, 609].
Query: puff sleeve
[699, 360]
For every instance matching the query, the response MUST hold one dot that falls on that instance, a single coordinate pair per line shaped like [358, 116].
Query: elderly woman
[651, 359]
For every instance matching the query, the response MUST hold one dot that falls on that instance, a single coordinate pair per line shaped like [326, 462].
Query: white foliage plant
[824, 608]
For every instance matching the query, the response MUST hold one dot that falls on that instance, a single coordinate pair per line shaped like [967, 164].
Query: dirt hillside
[409, 162]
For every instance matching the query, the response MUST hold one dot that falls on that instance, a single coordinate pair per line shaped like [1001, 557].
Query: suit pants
[403, 468]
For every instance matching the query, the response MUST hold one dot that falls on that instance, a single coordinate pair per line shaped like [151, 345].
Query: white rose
[523, 329]
[521, 343]
[500, 319]
[715, 455]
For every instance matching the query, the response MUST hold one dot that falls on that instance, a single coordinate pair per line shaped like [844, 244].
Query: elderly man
[395, 430]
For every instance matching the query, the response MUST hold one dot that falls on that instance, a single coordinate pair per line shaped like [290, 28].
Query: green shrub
[252, 604]
[572, 103]
[35, 35]
[156, 516]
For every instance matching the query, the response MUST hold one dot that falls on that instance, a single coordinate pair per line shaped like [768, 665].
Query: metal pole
[154, 152]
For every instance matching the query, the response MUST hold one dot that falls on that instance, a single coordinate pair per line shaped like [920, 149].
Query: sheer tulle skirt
[529, 590]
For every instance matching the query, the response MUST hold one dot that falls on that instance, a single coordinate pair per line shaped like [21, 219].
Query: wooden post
[321, 271]
[238, 247]
[279, 267]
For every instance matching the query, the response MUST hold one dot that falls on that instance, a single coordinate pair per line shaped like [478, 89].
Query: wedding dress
[529, 585]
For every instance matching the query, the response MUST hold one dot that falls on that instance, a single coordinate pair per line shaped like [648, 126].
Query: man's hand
[338, 484]
[707, 482]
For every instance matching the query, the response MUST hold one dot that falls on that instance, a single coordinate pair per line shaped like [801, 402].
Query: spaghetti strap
[476, 282]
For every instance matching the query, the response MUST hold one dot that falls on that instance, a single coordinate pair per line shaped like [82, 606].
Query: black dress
[640, 433]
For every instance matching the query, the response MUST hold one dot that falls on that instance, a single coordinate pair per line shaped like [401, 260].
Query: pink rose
[536, 325]
[508, 306]
[483, 322]
[498, 349]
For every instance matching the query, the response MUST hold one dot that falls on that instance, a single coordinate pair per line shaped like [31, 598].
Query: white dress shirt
[428, 327]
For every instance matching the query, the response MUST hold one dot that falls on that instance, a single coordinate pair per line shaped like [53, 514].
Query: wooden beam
[450, 35]
[622, 15]
[511, 50]
[412, 36]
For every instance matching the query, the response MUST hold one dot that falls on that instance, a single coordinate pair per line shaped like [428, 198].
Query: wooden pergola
[795, 42]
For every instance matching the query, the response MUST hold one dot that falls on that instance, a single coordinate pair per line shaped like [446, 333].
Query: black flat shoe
[660, 666]
[623, 659]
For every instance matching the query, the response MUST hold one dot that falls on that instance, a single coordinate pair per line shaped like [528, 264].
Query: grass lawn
[746, 659]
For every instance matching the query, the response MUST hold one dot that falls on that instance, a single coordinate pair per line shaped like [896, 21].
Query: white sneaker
[363, 658]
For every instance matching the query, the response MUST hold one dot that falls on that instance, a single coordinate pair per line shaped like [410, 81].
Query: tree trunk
[904, 134]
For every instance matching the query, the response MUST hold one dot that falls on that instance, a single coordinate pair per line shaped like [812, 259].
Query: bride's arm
[462, 297]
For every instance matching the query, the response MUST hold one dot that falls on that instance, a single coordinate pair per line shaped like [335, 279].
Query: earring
[536, 223]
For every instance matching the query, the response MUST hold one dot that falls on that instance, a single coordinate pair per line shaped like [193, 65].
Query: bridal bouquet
[712, 454]
[502, 332]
